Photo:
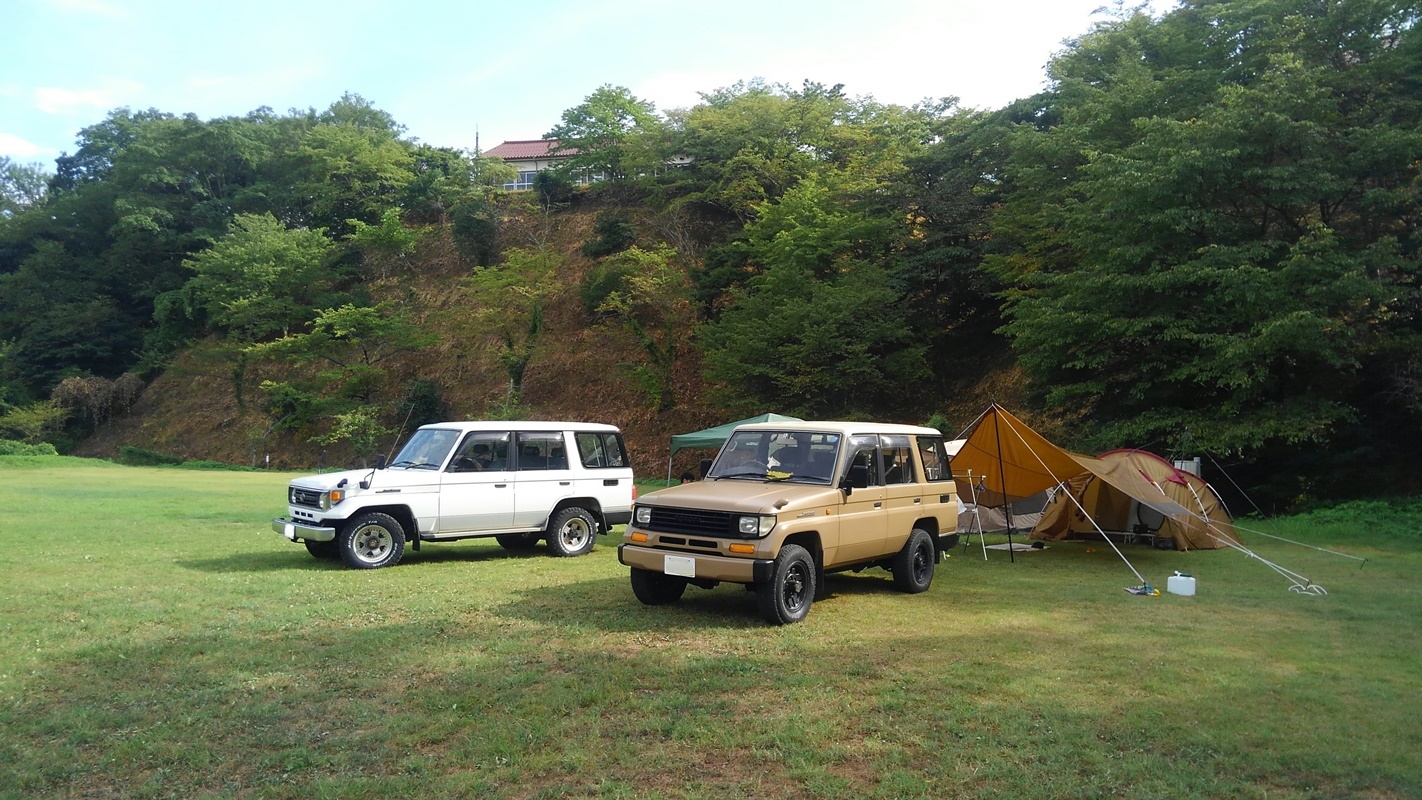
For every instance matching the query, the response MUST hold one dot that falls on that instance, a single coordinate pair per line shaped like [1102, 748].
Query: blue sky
[508, 69]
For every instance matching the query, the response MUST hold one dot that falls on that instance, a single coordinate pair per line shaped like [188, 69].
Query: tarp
[717, 436]
[1025, 515]
[1003, 460]
[1091, 501]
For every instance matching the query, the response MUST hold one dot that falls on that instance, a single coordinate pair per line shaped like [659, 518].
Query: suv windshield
[795, 456]
[426, 449]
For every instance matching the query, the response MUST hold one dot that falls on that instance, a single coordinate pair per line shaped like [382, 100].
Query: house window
[525, 180]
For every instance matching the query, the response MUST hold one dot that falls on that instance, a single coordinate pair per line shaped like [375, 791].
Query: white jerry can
[1181, 584]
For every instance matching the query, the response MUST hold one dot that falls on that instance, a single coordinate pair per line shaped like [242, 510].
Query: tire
[571, 532]
[322, 550]
[517, 541]
[371, 540]
[790, 592]
[657, 588]
[913, 565]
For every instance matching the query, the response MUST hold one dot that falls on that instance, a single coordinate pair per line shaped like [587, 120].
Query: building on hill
[532, 156]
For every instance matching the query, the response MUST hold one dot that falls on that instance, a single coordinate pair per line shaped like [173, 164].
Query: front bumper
[300, 531]
[706, 567]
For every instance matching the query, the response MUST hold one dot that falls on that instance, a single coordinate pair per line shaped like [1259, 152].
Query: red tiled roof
[527, 148]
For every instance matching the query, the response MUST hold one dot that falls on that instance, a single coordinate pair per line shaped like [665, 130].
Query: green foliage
[9, 447]
[654, 304]
[605, 133]
[33, 423]
[508, 308]
[258, 280]
[21, 186]
[361, 428]
[601, 281]
[420, 404]
[292, 407]
[475, 230]
[1218, 229]
[139, 457]
[615, 233]
[554, 187]
[390, 239]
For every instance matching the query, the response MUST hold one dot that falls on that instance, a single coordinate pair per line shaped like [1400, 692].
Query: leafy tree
[509, 298]
[655, 305]
[388, 242]
[260, 279]
[32, 423]
[21, 185]
[475, 228]
[361, 428]
[602, 133]
[1216, 222]
[615, 233]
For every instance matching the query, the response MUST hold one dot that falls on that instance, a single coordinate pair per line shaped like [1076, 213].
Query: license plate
[680, 565]
[290, 531]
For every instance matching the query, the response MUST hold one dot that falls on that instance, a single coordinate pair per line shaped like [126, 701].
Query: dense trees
[1206, 227]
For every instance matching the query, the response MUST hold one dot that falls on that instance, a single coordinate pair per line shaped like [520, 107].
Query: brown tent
[1091, 504]
[1002, 460]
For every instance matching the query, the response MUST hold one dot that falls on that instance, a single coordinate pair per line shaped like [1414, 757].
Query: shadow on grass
[296, 558]
[608, 605]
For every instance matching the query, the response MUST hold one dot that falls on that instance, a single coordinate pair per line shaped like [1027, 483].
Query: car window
[601, 450]
[936, 466]
[863, 452]
[541, 450]
[898, 459]
[482, 450]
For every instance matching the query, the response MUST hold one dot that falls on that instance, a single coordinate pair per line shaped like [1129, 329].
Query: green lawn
[158, 640]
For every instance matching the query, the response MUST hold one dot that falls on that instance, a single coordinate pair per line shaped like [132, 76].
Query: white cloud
[15, 147]
[53, 100]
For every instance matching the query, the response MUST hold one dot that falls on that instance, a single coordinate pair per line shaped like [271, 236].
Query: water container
[1181, 584]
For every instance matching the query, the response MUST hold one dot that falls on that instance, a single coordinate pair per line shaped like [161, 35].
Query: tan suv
[786, 502]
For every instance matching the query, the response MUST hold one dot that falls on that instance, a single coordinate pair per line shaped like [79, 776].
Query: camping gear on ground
[1180, 584]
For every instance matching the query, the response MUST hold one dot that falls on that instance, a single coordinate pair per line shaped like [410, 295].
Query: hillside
[581, 373]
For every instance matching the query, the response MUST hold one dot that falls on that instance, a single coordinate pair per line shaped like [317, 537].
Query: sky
[448, 68]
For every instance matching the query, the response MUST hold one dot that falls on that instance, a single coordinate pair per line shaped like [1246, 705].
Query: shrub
[615, 233]
[475, 230]
[9, 447]
[602, 281]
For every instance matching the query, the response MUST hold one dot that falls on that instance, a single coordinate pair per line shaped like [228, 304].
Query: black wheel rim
[792, 591]
[922, 562]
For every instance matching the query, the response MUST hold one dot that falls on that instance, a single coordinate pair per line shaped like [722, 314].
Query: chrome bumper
[300, 531]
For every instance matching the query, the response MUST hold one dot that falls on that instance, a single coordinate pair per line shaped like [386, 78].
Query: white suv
[516, 481]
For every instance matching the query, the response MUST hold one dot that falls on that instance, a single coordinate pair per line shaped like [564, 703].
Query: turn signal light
[742, 548]
[638, 536]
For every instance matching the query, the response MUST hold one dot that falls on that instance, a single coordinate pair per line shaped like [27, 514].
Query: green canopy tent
[717, 436]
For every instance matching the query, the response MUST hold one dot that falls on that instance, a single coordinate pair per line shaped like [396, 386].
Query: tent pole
[669, 460]
[1002, 480]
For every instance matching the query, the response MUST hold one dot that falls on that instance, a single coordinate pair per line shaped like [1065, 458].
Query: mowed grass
[158, 640]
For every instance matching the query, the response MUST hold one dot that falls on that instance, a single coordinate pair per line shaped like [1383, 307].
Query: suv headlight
[331, 498]
[758, 525]
[643, 515]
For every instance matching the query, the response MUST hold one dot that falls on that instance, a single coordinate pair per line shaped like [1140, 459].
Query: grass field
[158, 640]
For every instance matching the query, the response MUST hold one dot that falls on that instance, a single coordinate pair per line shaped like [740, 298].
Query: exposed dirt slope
[191, 410]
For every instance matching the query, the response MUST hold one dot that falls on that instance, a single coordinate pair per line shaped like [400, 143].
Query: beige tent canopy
[1002, 460]
[1090, 502]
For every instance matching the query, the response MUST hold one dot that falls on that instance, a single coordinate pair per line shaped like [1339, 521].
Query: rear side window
[601, 450]
[541, 450]
[935, 459]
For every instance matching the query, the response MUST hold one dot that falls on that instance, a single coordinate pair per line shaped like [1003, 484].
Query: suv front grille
[305, 497]
[693, 521]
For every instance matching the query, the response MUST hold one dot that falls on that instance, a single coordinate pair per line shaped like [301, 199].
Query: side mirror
[380, 461]
[705, 467]
[845, 486]
[858, 476]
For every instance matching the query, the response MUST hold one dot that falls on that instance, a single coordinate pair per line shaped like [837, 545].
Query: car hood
[391, 477]
[740, 496]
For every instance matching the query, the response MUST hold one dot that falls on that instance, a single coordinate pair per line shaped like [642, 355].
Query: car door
[903, 493]
[477, 487]
[541, 477]
[863, 518]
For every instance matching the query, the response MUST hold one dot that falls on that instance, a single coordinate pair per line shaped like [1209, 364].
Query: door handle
[878, 504]
[916, 500]
[500, 485]
[565, 483]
